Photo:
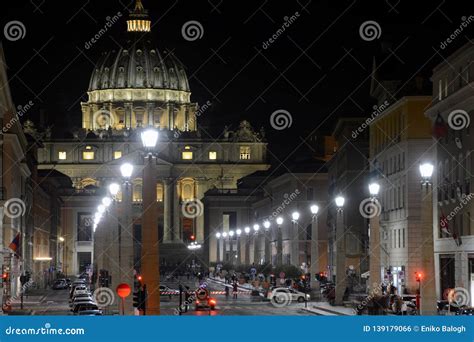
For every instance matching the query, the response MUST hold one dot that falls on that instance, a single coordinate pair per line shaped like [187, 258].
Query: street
[55, 302]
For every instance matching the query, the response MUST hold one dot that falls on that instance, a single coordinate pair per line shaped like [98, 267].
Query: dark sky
[317, 70]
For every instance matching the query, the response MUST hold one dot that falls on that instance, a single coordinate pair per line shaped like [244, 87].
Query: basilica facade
[135, 87]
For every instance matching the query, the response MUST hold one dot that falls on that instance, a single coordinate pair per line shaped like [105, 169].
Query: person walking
[235, 288]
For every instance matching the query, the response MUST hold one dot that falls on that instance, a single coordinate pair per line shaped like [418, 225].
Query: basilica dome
[139, 66]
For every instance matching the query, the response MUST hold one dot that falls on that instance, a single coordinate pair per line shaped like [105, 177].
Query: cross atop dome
[139, 21]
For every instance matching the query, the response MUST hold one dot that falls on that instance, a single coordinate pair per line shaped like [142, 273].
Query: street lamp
[266, 224]
[374, 189]
[426, 171]
[340, 252]
[238, 232]
[150, 264]
[279, 221]
[149, 139]
[256, 227]
[101, 209]
[114, 189]
[428, 290]
[339, 200]
[247, 230]
[374, 238]
[231, 233]
[126, 170]
[314, 267]
[294, 257]
[106, 201]
[218, 256]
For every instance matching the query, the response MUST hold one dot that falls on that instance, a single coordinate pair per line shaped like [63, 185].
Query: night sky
[317, 70]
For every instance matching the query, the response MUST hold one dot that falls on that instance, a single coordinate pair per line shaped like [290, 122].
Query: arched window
[187, 189]
[137, 190]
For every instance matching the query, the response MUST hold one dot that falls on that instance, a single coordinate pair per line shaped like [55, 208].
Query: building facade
[451, 112]
[400, 140]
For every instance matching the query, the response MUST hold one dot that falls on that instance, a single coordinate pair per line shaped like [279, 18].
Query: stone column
[167, 207]
[177, 234]
[247, 249]
[314, 267]
[340, 258]
[294, 244]
[199, 221]
[256, 238]
[149, 111]
[374, 252]
[126, 246]
[428, 284]
[128, 115]
[279, 246]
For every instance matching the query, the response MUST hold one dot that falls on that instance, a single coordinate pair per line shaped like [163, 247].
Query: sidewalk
[325, 309]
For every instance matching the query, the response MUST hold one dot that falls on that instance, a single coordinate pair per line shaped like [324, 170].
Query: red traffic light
[418, 276]
[4, 275]
[192, 237]
[139, 278]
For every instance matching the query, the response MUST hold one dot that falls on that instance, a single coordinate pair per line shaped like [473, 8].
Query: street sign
[123, 290]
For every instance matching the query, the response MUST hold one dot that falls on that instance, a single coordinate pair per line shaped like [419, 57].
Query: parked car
[84, 306]
[281, 295]
[466, 312]
[60, 284]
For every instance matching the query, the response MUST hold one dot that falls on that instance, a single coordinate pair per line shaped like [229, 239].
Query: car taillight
[212, 301]
[197, 302]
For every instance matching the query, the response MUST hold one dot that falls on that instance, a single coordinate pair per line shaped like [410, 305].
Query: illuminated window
[137, 190]
[117, 154]
[245, 152]
[159, 192]
[187, 189]
[212, 155]
[88, 155]
[62, 155]
[187, 155]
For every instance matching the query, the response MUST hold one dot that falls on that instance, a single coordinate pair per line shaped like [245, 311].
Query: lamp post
[150, 263]
[266, 226]
[256, 229]
[340, 252]
[224, 253]
[247, 245]
[279, 222]
[125, 260]
[218, 253]
[428, 289]
[231, 246]
[238, 232]
[294, 257]
[314, 267]
[374, 238]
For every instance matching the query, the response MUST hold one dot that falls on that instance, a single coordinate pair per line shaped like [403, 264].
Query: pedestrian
[235, 290]
[226, 291]
[187, 295]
